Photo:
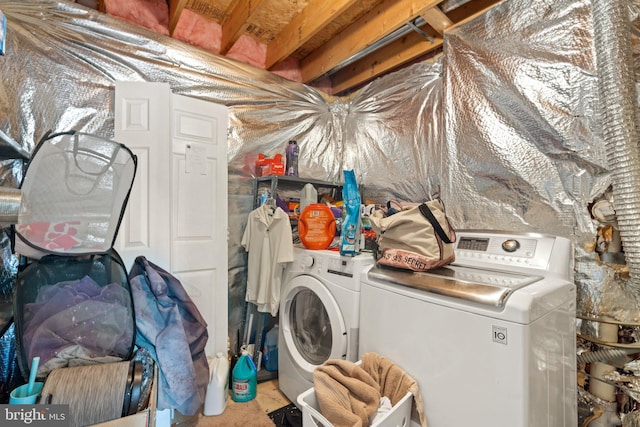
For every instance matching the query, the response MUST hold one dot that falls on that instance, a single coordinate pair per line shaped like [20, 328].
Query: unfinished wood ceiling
[349, 41]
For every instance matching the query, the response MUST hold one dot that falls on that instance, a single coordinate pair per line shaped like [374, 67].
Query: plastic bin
[398, 416]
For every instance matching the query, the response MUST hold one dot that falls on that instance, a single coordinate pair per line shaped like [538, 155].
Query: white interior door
[177, 214]
[143, 123]
[199, 210]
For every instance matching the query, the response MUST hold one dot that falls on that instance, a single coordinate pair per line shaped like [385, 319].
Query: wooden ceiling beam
[385, 18]
[238, 21]
[407, 48]
[315, 16]
[175, 9]
[470, 10]
[387, 58]
[437, 19]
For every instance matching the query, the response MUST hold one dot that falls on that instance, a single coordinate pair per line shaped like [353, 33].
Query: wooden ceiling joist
[175, 9]
[437, 19]
[317, 15]
[387, 17]
[387, 58]
[237, 23]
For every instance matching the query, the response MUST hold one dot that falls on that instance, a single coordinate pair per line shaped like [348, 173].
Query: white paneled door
[177, 213]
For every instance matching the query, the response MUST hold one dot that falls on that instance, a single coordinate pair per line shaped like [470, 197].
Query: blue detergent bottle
[244, 379]
[270, 351]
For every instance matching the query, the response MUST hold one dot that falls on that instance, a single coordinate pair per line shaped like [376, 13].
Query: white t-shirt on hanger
[268, 240]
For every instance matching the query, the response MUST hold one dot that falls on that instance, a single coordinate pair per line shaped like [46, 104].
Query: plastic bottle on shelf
[292, 151]
[270, 353]
[316, 226]
[244, 380]
[264, 196]
[308, 195]
[217, 393]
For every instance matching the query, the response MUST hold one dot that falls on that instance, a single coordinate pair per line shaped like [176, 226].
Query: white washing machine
[491, 339]
[319, 315]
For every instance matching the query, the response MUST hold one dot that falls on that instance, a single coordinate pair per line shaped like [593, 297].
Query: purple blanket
[79, 313]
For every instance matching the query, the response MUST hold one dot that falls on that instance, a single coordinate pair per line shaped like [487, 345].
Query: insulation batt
[198, 31]
[151, 14]
[249, 51]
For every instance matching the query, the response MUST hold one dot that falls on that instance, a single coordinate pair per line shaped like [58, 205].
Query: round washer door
[312, 324]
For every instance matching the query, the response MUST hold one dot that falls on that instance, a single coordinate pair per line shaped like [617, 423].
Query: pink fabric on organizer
[59, 236]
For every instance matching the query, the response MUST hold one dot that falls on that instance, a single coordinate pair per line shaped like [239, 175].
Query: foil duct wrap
[10, 200]
[8, 271]
[505, 127]
[10, 374]
[618, 98]
[523, 149]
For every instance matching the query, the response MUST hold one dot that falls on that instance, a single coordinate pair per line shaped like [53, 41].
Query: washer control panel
[342, 270]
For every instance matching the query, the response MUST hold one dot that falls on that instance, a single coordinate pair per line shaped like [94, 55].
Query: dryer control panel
[495, 249]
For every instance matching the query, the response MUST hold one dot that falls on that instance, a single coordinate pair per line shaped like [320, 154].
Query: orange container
[317, 226]
[266, 166]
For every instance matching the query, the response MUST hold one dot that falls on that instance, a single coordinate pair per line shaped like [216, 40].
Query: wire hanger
[271, 204]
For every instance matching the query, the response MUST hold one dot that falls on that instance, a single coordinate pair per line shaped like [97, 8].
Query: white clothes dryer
[319, 315]
[490, 339]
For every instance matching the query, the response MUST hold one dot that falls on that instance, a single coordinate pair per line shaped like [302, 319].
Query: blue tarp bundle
[174, 332]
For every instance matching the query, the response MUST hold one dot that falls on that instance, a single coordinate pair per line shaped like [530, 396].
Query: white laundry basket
[398, 416]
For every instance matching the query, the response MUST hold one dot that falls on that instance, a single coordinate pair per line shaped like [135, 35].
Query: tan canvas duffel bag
[417, 238]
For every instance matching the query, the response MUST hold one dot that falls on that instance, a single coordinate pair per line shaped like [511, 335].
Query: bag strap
[426, 212]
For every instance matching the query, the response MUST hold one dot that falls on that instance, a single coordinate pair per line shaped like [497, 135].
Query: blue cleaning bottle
[244, 379]
[270, 351]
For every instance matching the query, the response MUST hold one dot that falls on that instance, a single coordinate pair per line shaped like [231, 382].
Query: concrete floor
[270, 397]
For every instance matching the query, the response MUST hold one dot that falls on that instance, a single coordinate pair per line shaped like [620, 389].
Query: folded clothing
[349, 394]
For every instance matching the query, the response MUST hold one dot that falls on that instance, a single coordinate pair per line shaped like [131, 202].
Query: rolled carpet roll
[94, 393]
